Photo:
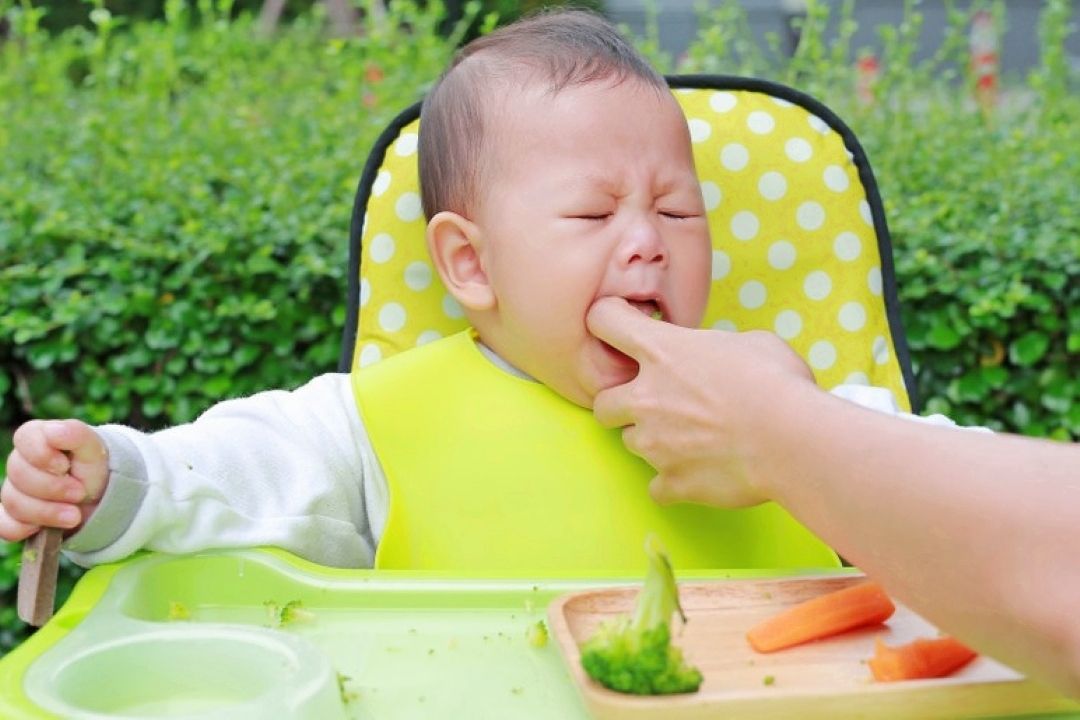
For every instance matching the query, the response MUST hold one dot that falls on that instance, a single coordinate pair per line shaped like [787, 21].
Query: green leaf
[943, 336]
[1029, 348]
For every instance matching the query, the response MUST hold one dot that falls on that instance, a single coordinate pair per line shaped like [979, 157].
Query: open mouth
[648, 307]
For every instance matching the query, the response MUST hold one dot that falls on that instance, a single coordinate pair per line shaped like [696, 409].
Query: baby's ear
[452, 242]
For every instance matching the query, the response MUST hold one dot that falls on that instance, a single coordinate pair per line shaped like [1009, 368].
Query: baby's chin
[609, 368]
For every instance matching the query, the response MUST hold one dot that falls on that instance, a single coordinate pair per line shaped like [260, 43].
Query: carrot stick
[923, 658]
[829, 614]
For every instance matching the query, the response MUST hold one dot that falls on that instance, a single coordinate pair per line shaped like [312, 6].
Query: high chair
[800, 242]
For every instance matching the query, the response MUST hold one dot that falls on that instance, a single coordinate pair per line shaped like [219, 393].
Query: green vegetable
[347, 695]
[537, 634]
[287, 614]
[178, 611]
[634, 654]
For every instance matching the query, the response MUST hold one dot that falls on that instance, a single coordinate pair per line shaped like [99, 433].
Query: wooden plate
[824, 679]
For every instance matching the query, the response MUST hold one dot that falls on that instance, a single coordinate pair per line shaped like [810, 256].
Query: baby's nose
[643, 243]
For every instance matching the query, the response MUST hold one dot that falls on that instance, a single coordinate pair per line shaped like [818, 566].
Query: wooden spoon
[37, 576]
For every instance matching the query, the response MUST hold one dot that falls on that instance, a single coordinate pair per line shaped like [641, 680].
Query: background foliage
[175, 196]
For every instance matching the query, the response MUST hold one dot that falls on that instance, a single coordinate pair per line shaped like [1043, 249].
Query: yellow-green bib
[492, 474]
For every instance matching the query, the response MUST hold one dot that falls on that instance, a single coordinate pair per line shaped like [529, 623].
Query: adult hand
[692, 410]
[55, 474]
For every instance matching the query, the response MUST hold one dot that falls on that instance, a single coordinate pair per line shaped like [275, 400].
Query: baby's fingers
[33, 445]
[35, 482]
[32, 511]
[81, 443]
[12, 530]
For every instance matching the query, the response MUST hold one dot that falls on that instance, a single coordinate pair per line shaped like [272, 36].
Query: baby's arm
[56, 472]
[289, 469]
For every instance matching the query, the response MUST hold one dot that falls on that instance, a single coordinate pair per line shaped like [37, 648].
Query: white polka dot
[781, 102]
[363, 227]
[392, 317]
[817, 285]
[835, 178]
[880, 350]
[852, 316]
[418, 275]
[710, 194]
[782, 255]
[798, 150]
[873, 280]
[725, 325]
[428, 336]
[810, 215]
[451, 308]
[760, 122]
[370, 354]
[684, 91]
[788, 324]
[382, 182]
[406, 144]
[381, 248]
[734, 157]
[822, 355]
[752, 295]
[721, 265]
[699, 130]
[818, 124]
[857, 378]
[365, 291]
[772, 185]
[722, 102]
[864, 213]
[745, 225]
[408, 207]
[847, 246]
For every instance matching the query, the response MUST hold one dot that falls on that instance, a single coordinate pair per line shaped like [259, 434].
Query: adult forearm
[978, 532]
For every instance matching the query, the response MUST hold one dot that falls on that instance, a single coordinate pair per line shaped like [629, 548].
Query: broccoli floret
[537, 634]
[634, 654]
[288, 614]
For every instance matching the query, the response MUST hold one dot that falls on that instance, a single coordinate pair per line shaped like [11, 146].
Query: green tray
[411, 645]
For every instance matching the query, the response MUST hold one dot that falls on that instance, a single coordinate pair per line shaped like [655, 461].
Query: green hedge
[174, 202]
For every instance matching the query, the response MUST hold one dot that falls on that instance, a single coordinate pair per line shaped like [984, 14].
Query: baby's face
[591, 192]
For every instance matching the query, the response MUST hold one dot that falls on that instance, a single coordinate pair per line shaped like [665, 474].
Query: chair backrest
[800, 242]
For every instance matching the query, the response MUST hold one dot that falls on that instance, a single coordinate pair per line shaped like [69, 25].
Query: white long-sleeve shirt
[292, 469]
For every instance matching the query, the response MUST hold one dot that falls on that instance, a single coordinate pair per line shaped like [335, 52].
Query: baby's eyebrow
[596, 181]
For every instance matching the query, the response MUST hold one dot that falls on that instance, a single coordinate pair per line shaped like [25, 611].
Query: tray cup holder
[189, 671]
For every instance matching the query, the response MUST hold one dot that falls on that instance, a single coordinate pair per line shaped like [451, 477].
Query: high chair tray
[824, 679]
[412, 645]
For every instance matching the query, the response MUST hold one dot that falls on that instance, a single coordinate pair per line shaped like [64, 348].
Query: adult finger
[32, 511]
[37, 483]
[616, 322]
[611, 407]
[12, 530]
[661, 490]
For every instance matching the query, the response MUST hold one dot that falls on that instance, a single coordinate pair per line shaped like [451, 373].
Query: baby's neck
[500, 362]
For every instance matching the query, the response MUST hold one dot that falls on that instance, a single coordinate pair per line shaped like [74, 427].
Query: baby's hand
[55, 476]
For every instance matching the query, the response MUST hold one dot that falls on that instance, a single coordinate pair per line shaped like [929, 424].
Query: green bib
[491, 474]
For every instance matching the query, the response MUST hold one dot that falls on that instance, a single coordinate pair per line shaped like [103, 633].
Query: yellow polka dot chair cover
[800, 243]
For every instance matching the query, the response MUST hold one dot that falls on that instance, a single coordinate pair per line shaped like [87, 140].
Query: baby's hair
[561, 48]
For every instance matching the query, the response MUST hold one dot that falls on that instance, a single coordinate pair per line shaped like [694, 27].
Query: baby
[555, 169]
